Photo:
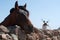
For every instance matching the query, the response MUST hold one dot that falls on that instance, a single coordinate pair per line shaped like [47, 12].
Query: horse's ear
[16, 5]
[25, 5]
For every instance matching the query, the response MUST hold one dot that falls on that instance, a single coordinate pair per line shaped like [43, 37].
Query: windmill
[44, 26]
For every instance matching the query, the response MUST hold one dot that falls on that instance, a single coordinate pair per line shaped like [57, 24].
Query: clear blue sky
[39, 9]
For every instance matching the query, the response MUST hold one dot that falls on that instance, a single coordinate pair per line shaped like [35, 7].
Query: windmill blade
[43, 21]
[46, 21]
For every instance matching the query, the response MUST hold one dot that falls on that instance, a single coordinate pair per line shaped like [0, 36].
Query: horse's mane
[11, 10]
[21, 7]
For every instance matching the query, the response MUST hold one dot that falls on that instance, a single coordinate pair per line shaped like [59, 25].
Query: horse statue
[19, 15]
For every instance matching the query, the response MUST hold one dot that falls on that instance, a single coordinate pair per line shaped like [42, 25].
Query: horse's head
[20, 9]
[21, 17]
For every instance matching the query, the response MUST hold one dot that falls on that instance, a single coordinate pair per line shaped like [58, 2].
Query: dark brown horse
[18, 16]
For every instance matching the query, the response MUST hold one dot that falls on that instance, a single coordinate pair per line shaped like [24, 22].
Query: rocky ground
[15, 33]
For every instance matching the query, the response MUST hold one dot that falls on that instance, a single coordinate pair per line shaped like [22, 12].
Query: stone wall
[15, 33]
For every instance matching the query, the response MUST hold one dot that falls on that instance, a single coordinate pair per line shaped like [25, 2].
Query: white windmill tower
[44, 26]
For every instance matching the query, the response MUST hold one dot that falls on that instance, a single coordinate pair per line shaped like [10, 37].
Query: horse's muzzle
[28, 29]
